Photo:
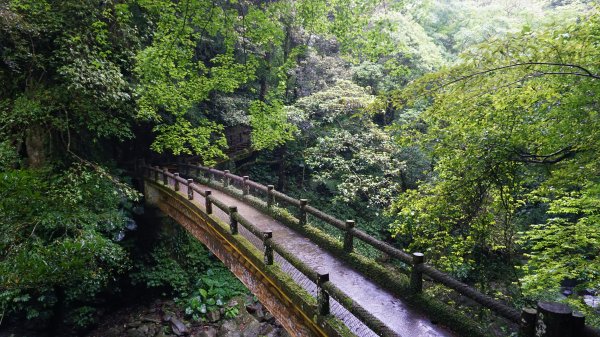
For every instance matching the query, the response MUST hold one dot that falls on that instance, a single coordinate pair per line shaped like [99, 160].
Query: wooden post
[208, 204]
[156, 173]
[245, 187]
[226, 178]
[303, 203]
[267, 236]
[553, 320]
[233, 224]
[175, 176]
[189, 189]
[527, 326]
[416, 276]
[208, 174]
[348, 238]
[270, 197]
[577, 324]
[322, 295]
[165, 178]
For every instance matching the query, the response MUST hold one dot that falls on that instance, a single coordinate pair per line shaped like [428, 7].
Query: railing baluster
[208, 203]
[165, 178]
[322, 295]
[189, 189]
[245, 187]
[270, 196]
[303, 203]
[267, 237]
[233, 224]
[416, 275]
[226, 178]
[175, 176]
[348, 237]
[527, 326]
[156, 169]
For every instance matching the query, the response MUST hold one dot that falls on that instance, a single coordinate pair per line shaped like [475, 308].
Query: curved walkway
[382, 304]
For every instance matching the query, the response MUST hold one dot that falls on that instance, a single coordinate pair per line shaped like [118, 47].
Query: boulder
[229, 328]
[213, 316]
[207, 331]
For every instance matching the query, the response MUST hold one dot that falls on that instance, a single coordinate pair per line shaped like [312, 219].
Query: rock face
[165, 319]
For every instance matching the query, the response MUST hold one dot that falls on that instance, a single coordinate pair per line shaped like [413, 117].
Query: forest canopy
[467, 130]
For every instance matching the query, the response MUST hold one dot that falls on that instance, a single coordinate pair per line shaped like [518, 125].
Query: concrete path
[382, 304]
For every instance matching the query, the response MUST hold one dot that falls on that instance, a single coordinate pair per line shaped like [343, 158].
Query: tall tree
[512, 131]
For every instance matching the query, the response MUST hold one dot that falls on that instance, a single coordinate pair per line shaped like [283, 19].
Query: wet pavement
[397, 315]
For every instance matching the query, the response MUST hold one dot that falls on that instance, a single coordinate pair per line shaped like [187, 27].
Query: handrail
[326, 287]
[485, 300]
[326, 217]
[418, 267]
[462, 288]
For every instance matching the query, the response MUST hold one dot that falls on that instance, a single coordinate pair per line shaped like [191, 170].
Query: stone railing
[325, 289]
[552, 318]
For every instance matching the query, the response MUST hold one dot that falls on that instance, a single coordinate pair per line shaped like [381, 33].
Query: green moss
[298, 295]
[393, 281]
[331, 322]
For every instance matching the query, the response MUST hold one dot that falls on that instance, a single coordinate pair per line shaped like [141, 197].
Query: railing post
[267, 236]
[208, 203]
[156, 174]
[245, 187]
[555, 320]
[226, 178]
[348, 237]
[527, 325]
[303, 203]
[322, 295]
[577, 324]
[209, 175]
[270, 196]
[165, 178]
[197, 170]
[175, 176]
[233, 224]
[189, 189]
[416, 276]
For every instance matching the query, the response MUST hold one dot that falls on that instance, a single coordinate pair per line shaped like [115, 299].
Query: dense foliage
[512, 135]
[464, 129]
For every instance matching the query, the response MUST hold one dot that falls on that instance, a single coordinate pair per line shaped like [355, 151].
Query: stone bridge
[316, 284]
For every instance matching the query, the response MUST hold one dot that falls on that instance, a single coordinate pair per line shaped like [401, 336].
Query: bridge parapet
[253, 193]
[320, 312]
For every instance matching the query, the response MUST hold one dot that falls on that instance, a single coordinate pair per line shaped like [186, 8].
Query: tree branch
[552, 158]
[585, 72]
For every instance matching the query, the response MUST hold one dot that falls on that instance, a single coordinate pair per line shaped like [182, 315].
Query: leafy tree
[510, 130]
[64, 74]
[56, 239]
[65, 70]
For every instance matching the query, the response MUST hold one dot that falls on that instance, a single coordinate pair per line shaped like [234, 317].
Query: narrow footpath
[382, 304]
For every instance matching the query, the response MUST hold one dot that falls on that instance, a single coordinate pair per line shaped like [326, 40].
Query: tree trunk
[280, 154]
[58, 312]
[37, 146]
